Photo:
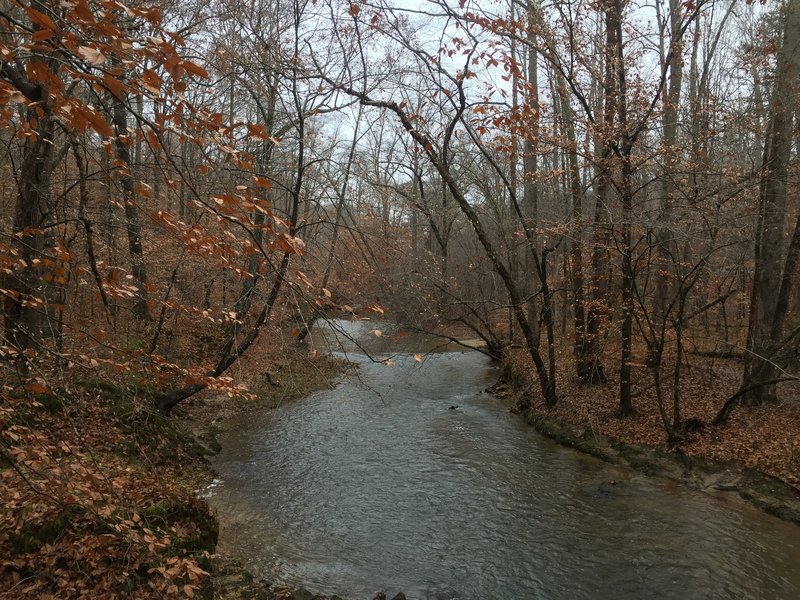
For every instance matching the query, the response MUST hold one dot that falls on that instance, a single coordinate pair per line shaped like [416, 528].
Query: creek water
[379, 485]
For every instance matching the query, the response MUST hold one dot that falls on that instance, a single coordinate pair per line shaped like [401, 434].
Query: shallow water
[378, 485]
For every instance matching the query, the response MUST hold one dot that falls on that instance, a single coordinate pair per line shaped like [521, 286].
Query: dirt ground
[765, 438]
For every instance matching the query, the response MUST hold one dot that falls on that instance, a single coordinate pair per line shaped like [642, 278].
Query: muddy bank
[282, 377]
[768, 493]
[231, 581]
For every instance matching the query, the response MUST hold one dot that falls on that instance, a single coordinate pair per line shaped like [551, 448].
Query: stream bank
[408, 476]
[283, 377]
[585, 431]
[460, 419]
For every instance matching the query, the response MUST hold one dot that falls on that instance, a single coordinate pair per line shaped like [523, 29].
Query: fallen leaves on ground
[766, 438]
[94, 504]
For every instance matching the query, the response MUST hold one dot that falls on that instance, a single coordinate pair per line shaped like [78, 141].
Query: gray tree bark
[774, 270]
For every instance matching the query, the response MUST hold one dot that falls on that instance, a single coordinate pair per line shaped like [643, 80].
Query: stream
[379, 485]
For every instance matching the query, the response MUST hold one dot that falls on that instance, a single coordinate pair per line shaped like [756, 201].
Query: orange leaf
[293, 245]
[262, 182]
[42, 35]
[83, 12]
[40, 19]
[115, 86]
[151, 81]
[97, 122]
[37, 387]
[91, 55]
[195, 69]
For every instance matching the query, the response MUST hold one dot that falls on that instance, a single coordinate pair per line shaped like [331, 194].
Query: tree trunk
[28, 307]
[767, 314]
[31, 289]
[665, 233]
[133, 225]
[530, 161]
[588, 365]
[621, 146]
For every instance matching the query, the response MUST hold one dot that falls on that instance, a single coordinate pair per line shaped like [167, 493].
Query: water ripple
[348, 493]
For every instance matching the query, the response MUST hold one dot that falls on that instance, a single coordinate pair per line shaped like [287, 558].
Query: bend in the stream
[379, 484]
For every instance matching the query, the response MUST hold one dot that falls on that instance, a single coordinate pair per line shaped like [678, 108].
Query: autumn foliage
[182, 180]
[94, 502]
[97, 292]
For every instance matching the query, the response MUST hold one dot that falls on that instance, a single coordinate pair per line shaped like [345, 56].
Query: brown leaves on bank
[91, 504]
[766, 438]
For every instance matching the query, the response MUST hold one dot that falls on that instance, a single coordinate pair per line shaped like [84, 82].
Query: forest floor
[99, 494]
[756, 453]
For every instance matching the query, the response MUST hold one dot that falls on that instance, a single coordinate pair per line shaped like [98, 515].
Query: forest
[603, 192]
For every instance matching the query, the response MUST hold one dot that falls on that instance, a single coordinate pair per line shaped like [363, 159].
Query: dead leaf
[92, 55]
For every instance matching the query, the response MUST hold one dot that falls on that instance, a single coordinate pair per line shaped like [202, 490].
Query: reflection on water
[378, 485]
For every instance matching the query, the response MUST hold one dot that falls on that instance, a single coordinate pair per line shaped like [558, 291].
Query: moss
[133, 582]
[650, 461]
[511, 374]
[771, 495]
[294, 376]
[774, 505]
[158, 514]
[168, 512]
[109, 389]
[131, 343]
[506, 371]
[52, 403]
[149, 434]
[33, 536]
[766, 493]
[587, 441]
[781, 511]
[132, 387]
[770, 486]
[642, 462]
[595, 444]
[204, 562]
[205, 540]
[707, 467]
